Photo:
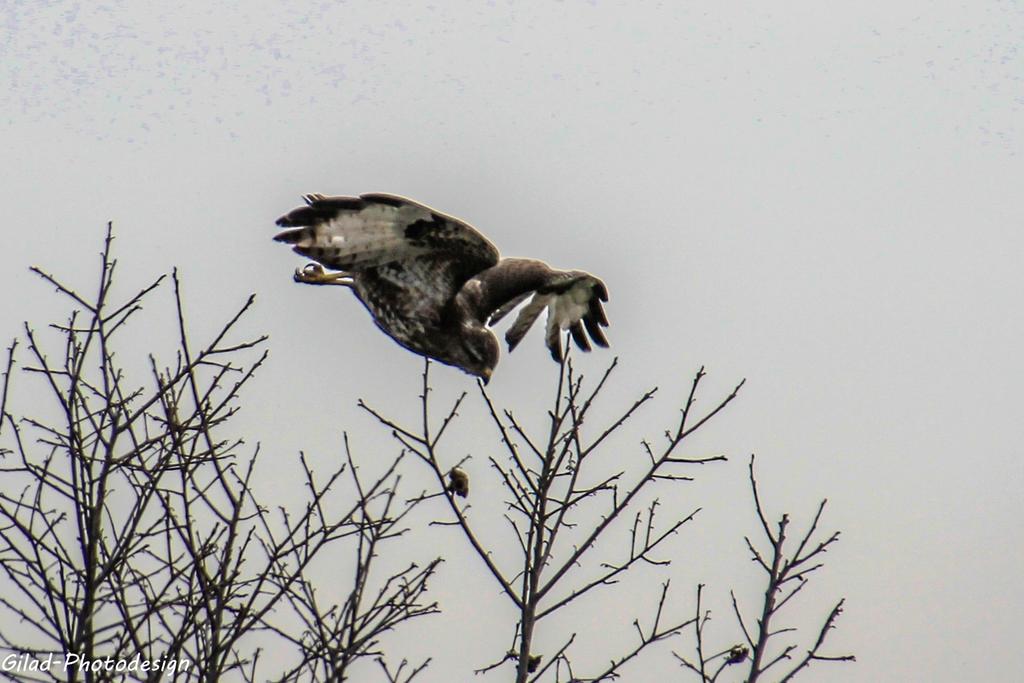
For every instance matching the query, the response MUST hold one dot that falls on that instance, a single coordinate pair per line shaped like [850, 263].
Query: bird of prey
[433, 283]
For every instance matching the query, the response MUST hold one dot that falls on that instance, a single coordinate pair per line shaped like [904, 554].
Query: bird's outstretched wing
[572, 298]
[371, 230]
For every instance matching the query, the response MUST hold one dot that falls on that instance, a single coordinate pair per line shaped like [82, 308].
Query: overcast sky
[824, 198]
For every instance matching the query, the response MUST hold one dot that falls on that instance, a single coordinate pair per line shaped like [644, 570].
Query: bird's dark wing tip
[594, 330]
[576, 329]
[554, 341]
[290, 236]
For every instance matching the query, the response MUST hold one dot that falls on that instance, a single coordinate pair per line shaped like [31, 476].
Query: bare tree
[131, 535]
[559, 503]
[560, 500]
[132, 529]
[787, 573]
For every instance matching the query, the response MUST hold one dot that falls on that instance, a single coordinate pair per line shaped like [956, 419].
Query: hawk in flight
[433, 283]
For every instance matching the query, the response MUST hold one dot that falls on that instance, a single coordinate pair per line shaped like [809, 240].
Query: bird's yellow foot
[315, 274]
[310, 273]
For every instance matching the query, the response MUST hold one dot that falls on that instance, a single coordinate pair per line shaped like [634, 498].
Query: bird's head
[479, 352]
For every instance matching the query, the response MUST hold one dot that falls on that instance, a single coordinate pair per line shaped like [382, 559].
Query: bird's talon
[311, 272]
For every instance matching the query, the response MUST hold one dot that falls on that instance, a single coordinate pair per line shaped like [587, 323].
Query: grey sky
[824, 199]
